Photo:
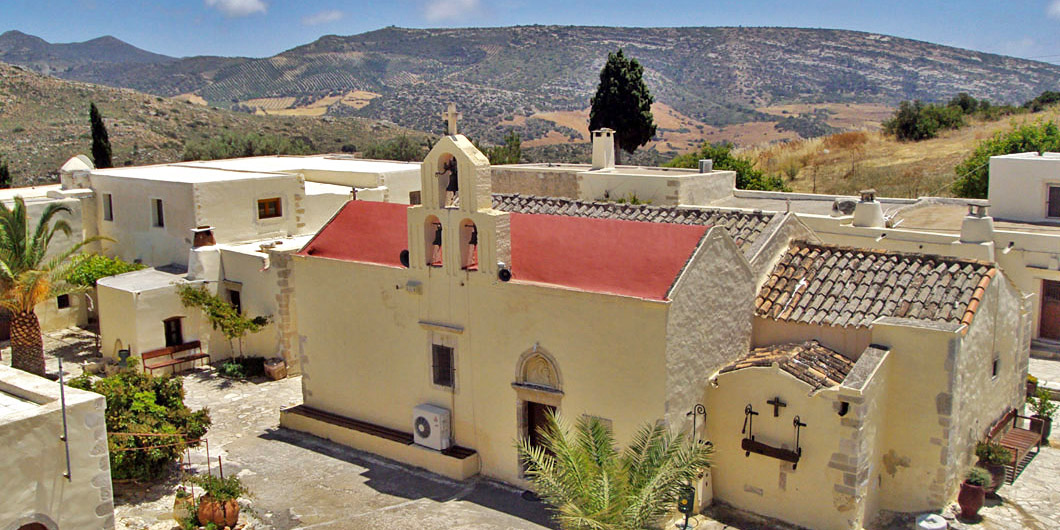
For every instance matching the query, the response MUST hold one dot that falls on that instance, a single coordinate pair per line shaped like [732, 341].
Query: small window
[63, 300]
[108, 208]
[1054, 201]
[173, 331]
[442, 357]
[996, 366]
[234, 299]
[414, 198]
[157, 218]
[269, 208]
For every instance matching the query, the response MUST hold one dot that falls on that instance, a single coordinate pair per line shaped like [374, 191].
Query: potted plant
[183, 504]
[973, 492]
[1032, 385]
[1043, 408]
[218, 503]
[993, 457]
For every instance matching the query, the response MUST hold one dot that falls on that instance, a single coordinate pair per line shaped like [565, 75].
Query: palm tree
[592, 486]
[28, 276]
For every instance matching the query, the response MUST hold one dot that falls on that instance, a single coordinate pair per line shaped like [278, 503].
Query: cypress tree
[622, 102]
[5, 175]
[100, 140]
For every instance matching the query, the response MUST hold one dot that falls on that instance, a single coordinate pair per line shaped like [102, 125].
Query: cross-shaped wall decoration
[777, 403]
[450, 116]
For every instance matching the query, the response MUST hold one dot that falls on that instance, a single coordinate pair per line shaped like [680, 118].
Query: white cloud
[323, 17]
[238, 8]
[438, 10]
[1053, 11]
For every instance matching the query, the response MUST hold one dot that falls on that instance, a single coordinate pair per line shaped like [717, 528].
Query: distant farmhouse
[849, 352]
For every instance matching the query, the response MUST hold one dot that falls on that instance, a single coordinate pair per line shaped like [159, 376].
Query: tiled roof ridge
[900, 253]
[810, 362]
[628, 206]
[836, 285]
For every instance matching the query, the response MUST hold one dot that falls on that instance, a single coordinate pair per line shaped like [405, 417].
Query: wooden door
[1050, 318]
[536, 417]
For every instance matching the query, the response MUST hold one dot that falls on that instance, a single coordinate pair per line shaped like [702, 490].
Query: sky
[261, 28]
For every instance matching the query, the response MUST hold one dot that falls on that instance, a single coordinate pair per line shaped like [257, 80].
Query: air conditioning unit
[430, 427]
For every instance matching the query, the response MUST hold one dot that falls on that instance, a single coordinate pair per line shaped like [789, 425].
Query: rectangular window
[63, 300]
[157, 218]
[414, 197]
[269, 208]
[1054, 201]
[234, 299]
[108, 208]
[442, 357]
[173, 331]
[996, 367]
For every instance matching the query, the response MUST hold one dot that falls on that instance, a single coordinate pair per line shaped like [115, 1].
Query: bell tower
[455, 230]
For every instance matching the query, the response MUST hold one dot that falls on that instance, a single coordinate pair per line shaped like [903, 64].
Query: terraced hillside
[713, 83]
[44, 121]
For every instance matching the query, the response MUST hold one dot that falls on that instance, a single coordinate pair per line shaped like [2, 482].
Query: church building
[839, 383]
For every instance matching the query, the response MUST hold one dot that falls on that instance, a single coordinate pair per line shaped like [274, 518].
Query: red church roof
[601, 255]
[364, 231]
[611, 256]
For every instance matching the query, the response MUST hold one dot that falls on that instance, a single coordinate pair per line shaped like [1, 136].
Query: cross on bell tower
[451, 116]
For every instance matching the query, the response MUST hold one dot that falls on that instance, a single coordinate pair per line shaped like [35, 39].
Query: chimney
[203, 237]
[604, 149]
[706, 165]
[977, 227]
[204, 258]
[869, 213]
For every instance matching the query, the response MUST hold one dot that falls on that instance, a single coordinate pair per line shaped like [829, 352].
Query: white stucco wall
[716, 281]
[1019, 185]
[132, 318]
[34, 457]
[134, 236]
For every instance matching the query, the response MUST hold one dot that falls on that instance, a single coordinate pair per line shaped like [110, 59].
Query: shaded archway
[432, 241]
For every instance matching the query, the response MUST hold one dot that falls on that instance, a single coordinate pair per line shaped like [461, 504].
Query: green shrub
[991, 453]
[234, 145]
[220, 489]
[243, 367]
[141, 403]
[86, 269]
[973, 172]
[1041, 403]
[978, 476]
[747, 177]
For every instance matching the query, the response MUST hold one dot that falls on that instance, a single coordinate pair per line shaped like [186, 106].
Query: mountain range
[709, 83]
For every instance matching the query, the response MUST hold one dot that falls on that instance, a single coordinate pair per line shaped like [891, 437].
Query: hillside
[846, 163]
[710, 83]
[44, 121]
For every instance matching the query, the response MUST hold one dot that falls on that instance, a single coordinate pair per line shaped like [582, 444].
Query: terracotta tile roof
[743, 226]
[809, 362]
[843, 286]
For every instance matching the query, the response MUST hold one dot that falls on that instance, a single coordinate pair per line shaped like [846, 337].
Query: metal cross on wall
[777, 403]
[450, 116]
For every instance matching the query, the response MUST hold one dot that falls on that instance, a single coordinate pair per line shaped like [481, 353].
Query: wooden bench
[176, 355]
[1008, 433]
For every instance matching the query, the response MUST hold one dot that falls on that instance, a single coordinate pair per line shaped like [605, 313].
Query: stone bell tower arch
[457, 195]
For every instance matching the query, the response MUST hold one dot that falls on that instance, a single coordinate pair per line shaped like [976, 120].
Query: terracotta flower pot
[971, 498]
[182, 508]
[276, 369]
[997, 475]
[221, 514]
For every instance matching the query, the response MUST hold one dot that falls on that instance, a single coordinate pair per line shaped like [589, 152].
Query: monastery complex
[848, 352]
